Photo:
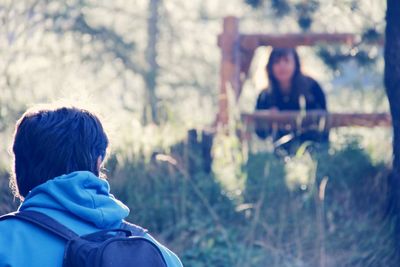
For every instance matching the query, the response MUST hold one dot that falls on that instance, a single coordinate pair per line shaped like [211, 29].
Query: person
[58, 154]
[290, 90]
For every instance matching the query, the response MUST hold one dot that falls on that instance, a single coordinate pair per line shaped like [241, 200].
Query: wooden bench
[311, 120]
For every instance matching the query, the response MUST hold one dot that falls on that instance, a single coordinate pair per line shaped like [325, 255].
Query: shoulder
[265, 92]
[264, 95]
[311, 82]
[135, 229]
[170, 257]
[12, 243]
[313, 85]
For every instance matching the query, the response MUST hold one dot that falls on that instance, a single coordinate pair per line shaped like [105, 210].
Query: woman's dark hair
[297, 79]
[51, 142]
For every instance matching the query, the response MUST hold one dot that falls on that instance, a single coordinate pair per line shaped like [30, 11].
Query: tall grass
[320, 209]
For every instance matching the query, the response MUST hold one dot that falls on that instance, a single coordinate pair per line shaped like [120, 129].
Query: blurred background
[151, 69]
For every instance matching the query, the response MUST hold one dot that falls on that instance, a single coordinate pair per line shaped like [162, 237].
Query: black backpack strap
[43, 221]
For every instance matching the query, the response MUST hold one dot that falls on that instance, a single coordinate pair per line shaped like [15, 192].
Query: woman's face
[283, 69]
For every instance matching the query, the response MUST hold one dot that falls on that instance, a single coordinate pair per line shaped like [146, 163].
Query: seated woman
[290, 90]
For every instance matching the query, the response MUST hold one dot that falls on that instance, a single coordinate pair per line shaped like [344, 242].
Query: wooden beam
[320, 120]
[252, 41]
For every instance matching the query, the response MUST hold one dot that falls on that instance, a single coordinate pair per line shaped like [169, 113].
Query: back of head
[49, 142]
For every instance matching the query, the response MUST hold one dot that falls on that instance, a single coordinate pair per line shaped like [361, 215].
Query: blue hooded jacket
[82, 202]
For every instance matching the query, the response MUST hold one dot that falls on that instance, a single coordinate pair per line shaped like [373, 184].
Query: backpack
[125, 246]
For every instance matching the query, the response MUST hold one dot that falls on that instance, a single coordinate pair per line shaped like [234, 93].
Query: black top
[312, 92]
[314, 99]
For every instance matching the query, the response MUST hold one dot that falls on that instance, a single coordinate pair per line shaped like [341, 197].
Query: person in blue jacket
[58, 153]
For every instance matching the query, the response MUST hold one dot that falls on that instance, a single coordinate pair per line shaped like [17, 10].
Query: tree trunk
[150, 110]
[392, 84]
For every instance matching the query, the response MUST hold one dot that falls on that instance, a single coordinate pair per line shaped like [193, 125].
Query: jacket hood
[80, 193]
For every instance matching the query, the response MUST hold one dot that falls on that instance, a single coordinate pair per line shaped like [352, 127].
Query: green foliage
[334, 218]
[324, 207]
[306, 15]
[281, 7]
[309, 225]
[305, 11]
[335, 56]
[254, 3]
[189, 212]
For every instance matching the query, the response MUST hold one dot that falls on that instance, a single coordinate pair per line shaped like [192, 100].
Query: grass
[322, 209]
[335, 218]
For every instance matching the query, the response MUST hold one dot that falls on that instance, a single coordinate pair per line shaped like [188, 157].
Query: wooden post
[199, 152]
[230, 65]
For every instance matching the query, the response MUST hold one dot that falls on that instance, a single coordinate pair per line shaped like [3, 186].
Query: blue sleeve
[170, 257]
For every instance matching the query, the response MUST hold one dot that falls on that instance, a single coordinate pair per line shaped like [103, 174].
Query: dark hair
[51, 142]
[298, 77]
[275, 56]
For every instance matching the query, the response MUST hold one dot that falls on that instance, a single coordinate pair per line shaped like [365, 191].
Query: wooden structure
[312, 120]
[316, 119]
[237, 53]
